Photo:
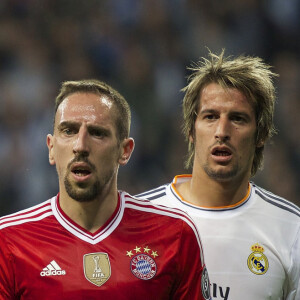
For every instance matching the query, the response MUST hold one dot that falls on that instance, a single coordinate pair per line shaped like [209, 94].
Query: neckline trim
[206, 208]
[83, 234]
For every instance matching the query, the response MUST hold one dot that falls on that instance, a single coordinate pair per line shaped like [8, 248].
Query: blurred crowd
[142, 49]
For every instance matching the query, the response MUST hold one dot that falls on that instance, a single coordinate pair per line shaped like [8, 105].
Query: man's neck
[207, 192]
[90, 215]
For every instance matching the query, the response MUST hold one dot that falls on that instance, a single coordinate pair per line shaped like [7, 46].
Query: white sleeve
[293, 291]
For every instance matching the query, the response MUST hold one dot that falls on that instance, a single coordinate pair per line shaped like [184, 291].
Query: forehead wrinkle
[232, 96]
[86, 112]
[101, 111]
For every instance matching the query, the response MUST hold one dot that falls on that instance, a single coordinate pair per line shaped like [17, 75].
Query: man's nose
[223, 130]
[81, 143]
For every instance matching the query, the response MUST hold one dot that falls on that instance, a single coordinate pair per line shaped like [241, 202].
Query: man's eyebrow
[240, 114]
[90, 127]
[207, 111]
[96, 127]
[99, 128]
[65, 124]
[231, 113]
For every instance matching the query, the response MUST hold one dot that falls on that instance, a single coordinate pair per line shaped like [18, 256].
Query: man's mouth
[81, 169]
[80, 172]
[221, 153]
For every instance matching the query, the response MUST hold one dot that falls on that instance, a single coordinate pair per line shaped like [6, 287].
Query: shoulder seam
[25, 211]
[174, 213]
[23, 221]
[153, 191]
[278, 198]
[156, 196]
[276, 202]
[29, 215]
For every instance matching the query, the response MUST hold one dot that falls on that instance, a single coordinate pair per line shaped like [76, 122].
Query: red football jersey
[144, 251]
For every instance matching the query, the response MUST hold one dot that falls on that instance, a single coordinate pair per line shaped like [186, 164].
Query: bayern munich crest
[142, 264]
[257, 261]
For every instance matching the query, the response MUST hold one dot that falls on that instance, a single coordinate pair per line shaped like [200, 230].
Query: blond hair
[251, 76]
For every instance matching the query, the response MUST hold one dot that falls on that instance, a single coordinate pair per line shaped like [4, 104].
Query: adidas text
[53, 269]
[53, 273]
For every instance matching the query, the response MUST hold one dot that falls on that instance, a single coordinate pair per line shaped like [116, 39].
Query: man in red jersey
[92, 241]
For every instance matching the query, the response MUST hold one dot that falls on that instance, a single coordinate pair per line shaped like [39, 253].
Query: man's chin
[221, 175]
[82, 191]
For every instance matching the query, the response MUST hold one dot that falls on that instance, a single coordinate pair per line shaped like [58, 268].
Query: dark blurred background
[142, 49]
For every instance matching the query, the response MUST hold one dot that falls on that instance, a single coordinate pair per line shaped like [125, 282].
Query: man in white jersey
[250, 236]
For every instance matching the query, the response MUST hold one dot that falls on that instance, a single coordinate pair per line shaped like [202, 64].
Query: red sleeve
[6, 271]
[192, 280]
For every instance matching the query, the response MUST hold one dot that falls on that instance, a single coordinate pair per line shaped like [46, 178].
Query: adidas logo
[53, 269]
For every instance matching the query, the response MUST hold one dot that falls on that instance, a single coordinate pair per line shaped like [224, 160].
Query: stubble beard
[83, 192]
[221, 175]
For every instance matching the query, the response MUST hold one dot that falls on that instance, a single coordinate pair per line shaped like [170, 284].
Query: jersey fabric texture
[251, 249]
[142, 252]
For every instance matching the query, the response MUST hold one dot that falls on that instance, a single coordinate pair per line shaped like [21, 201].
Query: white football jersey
[251, 249]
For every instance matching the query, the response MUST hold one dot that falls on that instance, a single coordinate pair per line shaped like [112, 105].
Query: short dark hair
[100, 88]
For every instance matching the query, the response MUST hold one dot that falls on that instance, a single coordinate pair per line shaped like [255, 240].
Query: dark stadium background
[142, 49]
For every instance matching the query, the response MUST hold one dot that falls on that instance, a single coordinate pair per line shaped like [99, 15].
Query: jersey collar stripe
[24, 216]
[179, 177]
[45, 205]
[166, 211]
[142, 203]
[223, 208]
[114, 222]
[22, 221]
[66, 224]
[153, 191]
[89, 238]
[267, 199]
[279, 199]
[156, 196]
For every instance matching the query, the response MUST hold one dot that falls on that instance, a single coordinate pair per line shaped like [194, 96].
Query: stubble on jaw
[82, 192]
[221, 175]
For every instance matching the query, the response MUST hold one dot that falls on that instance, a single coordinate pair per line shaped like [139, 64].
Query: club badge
[142, 263]
[257, 260]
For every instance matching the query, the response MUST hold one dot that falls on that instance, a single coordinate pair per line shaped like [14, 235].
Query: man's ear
[51, 149]
[260, 143]
[191, 137]
[127, 147]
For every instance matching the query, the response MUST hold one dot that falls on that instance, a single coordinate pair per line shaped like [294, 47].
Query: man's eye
[238, 119]
[210, 117]
[98, 133]
[68, 131]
